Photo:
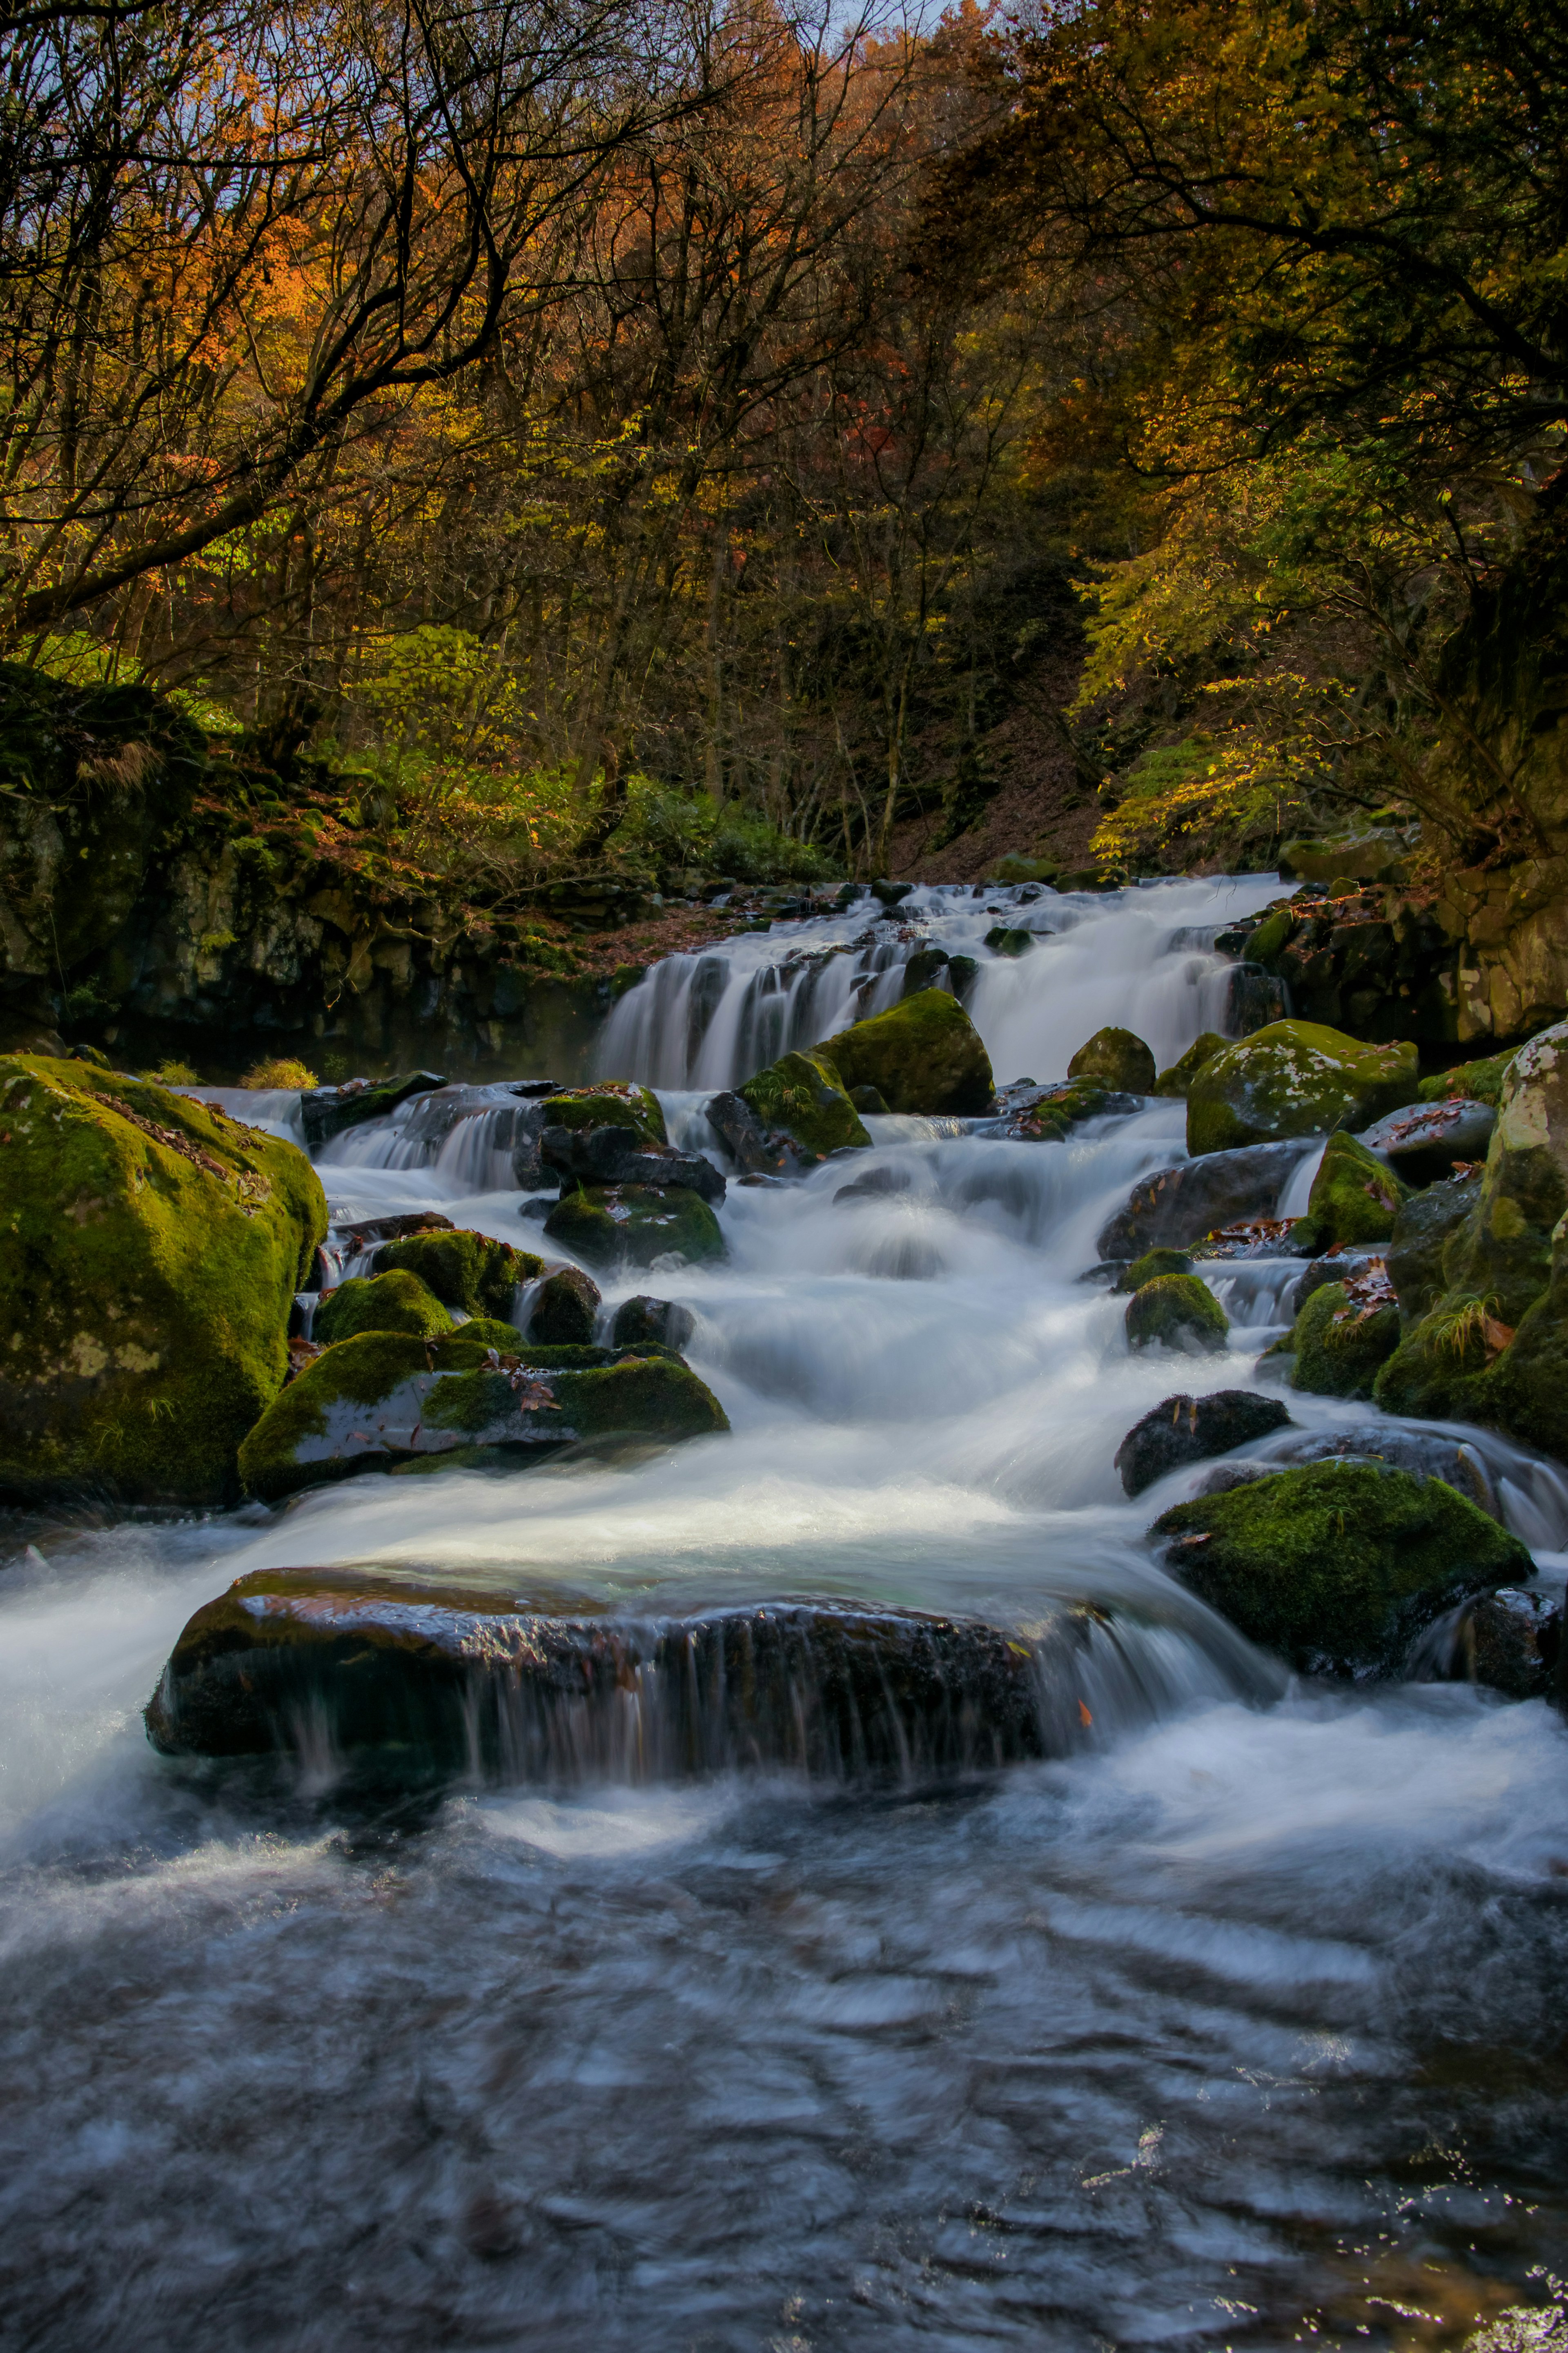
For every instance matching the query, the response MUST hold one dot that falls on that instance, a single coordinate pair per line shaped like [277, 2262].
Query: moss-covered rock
[149, 1251]
[1340, 1341]
[387, 1398]
[1354, 1198]
[1032, 1115]
[395, 1301]
[1180, 1312]
[924, 1055]
[612, 1103]
[634, 1225]
[1117, 1058]
[1422, 1229]
[1338, 1566]
[1151, 1266]
[1010, 940]
[1503, 1252]
[802, 1099]
[463, 1269]
[1186, 1068]
[1295, 1078]
[561, 1310]
[1482, 1080]
[642, 1318]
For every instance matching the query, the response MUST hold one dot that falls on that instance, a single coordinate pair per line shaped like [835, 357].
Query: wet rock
[424, 1680]
[1032, 1115]
[1344, 1335]
[512, 1120]
[395, 1301]
[1258, 1238]
[562, 1308]
[875, 1184]
[1254, 1000]
[927, 968]
[1178, 1312]
[326, 1112]
[1426, 1452]
[763, 1154]
[1182, 1073]
[613, 1156]
[1152, 1264]
[463, 1269]
[1343, 1265]
[359, 1233]
[614, 1226]
[151, 1249]
[1178, 1207]
[1421, 1145]
[1511, 1641]
[1295, 1078]
[385, 1399]
[924, 1055]
[1182, 1430]
[1421, 1233]
[962, 971]
[1117, 1058]
[868, 1102]
[1354, 1198]
[1008, 939]
[612, 1103]
[1338, 1566]
[799, 1111]
[890, 895]
[661, 1320]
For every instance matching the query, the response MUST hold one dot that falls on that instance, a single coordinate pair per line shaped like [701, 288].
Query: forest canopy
[584, 426]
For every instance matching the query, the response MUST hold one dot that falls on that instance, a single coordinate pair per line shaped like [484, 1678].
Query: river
[1242, 2025]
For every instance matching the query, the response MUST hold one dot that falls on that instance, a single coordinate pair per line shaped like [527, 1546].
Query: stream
[1242, 2025]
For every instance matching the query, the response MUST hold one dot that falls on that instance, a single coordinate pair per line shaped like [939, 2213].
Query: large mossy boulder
[1354, 1198]
[1177, 1311]
[1117, 1058]
[614, 1226]
[1338, 1566]
[612, 1103]
[150, 1251]
[1341, 1341]
[1176, 1081]
[463, 1269]
[924, 1055]
[802, 1107]
[386, 1399]
[395, 1301]
[1295, 1078]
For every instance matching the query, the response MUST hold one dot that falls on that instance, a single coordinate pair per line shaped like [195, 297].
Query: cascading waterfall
[1190, 2030]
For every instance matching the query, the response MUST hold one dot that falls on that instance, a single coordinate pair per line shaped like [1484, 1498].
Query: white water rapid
[1241, 2026]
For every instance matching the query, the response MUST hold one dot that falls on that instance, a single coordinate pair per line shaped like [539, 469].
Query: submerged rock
[791, 1116]
[634, 1225]
[395, 1301]
[1183, 1429]
[1117, 1058]
[1338, 1566]
[1295, 1078]
[464, 1269]
[1186, 1068]
[1180, 1312]
[563, 1307]
[424, 1679]
[326, 1112]
[150, 1253]
[1354, 1198]
[387, 1399]
[613, 1155]
[662, 1320]
[924, 1055]
[1176, 1207]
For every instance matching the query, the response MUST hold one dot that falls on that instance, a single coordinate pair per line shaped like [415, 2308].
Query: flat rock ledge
[425, 1682]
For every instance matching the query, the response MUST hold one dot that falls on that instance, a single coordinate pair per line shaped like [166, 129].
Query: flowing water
[1241, 2025]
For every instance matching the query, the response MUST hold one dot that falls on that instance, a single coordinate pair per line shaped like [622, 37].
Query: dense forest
[564, 431]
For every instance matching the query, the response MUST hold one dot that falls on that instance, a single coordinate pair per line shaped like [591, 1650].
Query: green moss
[1339, 1346]
[1524, 1390]
[1482, 1080]
[1295, 1078]
[1003, 940]
[1180, 1312]
[464, 1270]
[1151, 1266]
[1429, 1375]
[395, 1301]
[633, 1225]
[1182, 1073]
[1338, 1565]
[149, 1251]
[1272, 934]
[924, 1055]
[804, 1095]
[1117, 1058]
[612, 1103]
[1354, 1198]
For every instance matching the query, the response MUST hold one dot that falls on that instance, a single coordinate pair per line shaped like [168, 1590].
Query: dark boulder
[423, 1680]
[1338, 1566]
[643, 1319]
[1343, 1264]
[1117, 1058]
[1511, 1641]
[613, 1156]
[326, 1112]
[1423, 1144]
[1421, 1232]
[1183, 1429]
[1178, 1207]
[561, 1308]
